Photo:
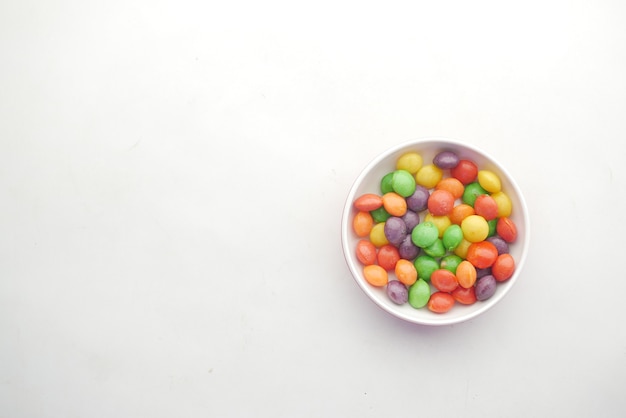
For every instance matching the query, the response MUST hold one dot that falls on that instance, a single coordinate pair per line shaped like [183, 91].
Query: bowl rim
[347, 212]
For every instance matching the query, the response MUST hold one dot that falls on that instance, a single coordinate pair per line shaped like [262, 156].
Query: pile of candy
[442, 229]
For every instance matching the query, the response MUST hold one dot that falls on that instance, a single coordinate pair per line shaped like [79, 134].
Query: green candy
[425, 266]
[452, 237]
[380, 215]
[403, 183]
[436, 249]
[419, 293]
[492, 227]
[471, 192]
[451, 262]
[425, 234]
[385, 183]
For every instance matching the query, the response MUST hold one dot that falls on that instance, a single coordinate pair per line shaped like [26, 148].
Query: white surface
[172, 176]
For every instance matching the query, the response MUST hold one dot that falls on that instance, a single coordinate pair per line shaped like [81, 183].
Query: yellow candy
[461, 249]
[475, 228]
[377, 235]
[441, 222]
[489, 181]
[411, 162]
[428, 176]
[504, 204]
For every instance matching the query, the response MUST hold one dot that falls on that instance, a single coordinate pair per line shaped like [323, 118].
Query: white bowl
[369, 182]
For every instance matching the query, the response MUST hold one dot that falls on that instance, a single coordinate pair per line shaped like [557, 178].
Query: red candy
[440, 302]
[388, 256]
[366, 252]
[368, 202]
[444, 280]
[506, 229]
[466, 171]
[440, 202]
[503, 268]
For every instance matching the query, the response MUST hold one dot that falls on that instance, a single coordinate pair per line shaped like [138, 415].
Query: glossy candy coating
[385, 183]
[444, 280]
[418, 201]
[395, 230]
[380, 214]
[505, 207]
[446, 160]
[425, 265]
[440, 302]
[465, 171]
[482, 254]
[452, 185]
[362, 223]
[486, 206]
[471, 192]
[394, 204]
[506, 229]
[375, 275]
[475, 228]
[466, 274]
[387, 257]
[485, 287]
[489, 181]
[368, 202]
[397, 292]
[425, 234]
[377, 235]
[419, 294]
[503, 268]
[405, 272]
[403, 183]
[407, 249]
[440, 202]
[428, 176]
[410, 161]
[452, 237]
[366, 252]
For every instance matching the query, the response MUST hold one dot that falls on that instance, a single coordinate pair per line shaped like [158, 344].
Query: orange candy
[466, 274]
[406, 272]
[460, 212]
[362, 223]
[394, 204]
[454, 186]
[375, 275]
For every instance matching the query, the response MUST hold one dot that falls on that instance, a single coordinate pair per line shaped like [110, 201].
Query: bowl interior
[369, 182]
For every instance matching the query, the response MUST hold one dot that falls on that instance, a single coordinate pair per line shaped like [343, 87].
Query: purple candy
[485, 287]
[407, 249]
[397, 292]
[411, 220]
[446, 160]
[395, 230]
[418, 201]
[500, 244]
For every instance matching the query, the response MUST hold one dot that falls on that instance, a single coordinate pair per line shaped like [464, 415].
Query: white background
[172, 176]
